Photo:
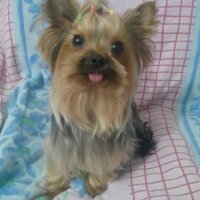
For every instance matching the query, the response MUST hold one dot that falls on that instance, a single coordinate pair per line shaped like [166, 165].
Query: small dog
[95, 57]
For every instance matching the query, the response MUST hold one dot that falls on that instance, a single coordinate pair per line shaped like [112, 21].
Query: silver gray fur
[82, 148]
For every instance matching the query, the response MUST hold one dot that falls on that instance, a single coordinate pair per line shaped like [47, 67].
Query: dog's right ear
[60, 14]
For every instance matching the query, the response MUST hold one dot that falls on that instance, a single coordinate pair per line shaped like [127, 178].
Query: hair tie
[79, 18]
[111, 12]
[93, 9]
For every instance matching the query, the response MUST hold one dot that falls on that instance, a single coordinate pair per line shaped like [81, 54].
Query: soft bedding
[168, 97]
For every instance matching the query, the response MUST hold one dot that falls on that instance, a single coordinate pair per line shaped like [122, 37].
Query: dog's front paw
[96, 185]
[55, 184]
[55, 187]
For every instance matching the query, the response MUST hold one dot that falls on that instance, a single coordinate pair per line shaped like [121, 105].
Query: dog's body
[95, 57]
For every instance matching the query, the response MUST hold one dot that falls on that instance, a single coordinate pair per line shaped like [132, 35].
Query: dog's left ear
[141, 24]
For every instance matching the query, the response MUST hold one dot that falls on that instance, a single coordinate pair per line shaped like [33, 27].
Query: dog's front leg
[97, 184]
[55, 182]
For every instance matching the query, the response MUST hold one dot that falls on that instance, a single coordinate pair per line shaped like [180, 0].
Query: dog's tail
[146, 144]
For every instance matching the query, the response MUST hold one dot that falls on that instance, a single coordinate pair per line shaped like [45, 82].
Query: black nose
[96, 61]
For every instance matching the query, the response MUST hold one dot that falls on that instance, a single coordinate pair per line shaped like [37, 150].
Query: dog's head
[95, 57]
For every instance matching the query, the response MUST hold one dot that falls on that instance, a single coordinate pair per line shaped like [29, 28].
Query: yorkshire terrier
[95, 57]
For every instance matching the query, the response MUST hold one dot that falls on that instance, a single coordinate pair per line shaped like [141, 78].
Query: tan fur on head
[100, 108]
[95, 57]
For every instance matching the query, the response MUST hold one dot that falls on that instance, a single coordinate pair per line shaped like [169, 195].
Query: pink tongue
[95, 78]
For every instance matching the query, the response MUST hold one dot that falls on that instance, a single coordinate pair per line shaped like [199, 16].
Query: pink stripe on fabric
[131, 182]
[158, 161]
[9, 71]
[146, 179]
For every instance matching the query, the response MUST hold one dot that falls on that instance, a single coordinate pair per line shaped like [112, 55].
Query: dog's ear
[60, 15]
[140, 24]
[60, 12]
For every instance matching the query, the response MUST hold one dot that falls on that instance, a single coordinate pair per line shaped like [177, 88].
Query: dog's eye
[78, 40]
[117, 47]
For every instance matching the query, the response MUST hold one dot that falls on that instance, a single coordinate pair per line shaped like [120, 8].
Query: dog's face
[95, 57]
[95, 54]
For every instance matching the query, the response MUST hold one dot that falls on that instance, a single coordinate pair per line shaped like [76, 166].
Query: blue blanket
[188, 112]
[27, 117]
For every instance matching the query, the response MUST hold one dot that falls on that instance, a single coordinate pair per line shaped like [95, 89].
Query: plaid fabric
[171, 172]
